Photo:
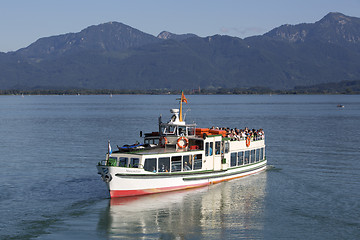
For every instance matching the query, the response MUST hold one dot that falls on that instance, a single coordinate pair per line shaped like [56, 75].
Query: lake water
[50, 188]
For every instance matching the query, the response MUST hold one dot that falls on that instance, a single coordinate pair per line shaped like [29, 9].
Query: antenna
[185, 113]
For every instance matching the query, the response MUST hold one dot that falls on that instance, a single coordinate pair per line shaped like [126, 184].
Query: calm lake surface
[50, 188]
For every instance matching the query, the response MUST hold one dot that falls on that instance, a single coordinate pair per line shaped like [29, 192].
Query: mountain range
[116, 56]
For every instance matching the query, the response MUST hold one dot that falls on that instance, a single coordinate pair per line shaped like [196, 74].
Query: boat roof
[154, 151]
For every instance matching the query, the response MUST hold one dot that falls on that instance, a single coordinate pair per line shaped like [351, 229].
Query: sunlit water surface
[50, 189]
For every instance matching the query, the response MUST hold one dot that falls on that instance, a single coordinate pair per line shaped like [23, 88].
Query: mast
[180, 115]
[183, 99]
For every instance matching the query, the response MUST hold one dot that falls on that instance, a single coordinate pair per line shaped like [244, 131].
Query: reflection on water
[230, 209]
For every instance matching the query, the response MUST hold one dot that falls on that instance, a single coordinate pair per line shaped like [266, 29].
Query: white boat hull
[123, 182]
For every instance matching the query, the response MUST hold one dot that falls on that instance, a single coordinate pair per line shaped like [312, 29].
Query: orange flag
[183, 98]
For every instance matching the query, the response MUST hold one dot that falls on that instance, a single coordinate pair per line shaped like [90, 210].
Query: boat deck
[156, 150]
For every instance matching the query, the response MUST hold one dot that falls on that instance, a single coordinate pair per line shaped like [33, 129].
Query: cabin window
[134, 162]
[226, 146]
[207, 149]
[247, 156]
[168, 129]
[182, 131]
[197, 161]
[217, 147]
[261, 153]
[211, 149]
[191, 131]
[252, 158]
[240, 158]
[163, 130]
[150, 165]
[151, 141]
[176, 164]
[164, 164]
[112, 161]
[123, 161]
[172, 129]
[233, 159]
[187, 166]
[257, 155]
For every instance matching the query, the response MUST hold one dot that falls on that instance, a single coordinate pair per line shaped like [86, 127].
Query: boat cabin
[174, 133]
[179, 147]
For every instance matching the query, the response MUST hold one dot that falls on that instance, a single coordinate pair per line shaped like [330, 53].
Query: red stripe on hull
[128, 193]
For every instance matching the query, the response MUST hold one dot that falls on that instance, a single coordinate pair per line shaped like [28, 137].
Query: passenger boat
[181, 156]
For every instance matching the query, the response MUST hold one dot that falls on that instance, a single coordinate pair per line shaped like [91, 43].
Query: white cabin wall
[208, 164]
[213, 162]
[236, 146]
[217, 158]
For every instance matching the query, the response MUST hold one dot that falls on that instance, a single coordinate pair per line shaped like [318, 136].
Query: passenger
[262, 133]
[162, 168]
[233, 134]
[237, 134]
[255, 135]
[243, 135]
[186, 167]
[227, 133]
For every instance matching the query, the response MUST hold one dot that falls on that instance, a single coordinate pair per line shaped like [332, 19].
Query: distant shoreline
[177, 92]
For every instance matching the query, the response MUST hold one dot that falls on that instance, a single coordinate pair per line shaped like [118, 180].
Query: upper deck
[196, 143]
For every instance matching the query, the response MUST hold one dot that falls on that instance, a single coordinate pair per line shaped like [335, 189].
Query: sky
[22, 22]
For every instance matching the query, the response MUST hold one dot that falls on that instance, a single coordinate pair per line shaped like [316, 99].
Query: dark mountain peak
[178, 37]
[165, 35]
[334, 17]
[112, 28]
[338, 28]
[106, 37]
[333, 28]
[337, 20]
[290, 33]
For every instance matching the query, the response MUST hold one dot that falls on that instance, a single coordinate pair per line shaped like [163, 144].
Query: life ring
[248, 141]
[163, 141]
[183, 140]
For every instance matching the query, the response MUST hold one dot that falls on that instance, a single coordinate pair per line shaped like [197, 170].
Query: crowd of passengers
[236, 134]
